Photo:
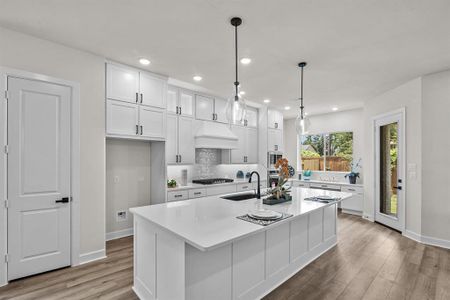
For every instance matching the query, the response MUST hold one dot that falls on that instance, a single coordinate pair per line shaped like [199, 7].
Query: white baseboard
[427, 239]
[92, 256]
[119, 234]
[352, 212]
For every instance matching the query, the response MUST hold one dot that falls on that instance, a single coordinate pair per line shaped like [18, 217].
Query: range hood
[214, 135]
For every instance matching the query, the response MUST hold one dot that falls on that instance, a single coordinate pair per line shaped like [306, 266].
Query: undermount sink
[239, 196]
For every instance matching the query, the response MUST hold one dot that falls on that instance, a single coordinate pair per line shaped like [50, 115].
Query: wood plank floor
[369, 262]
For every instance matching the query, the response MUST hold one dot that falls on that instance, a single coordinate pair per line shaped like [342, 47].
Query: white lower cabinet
[121, 118]
[180, 147]
[354, 204]
[178, 195]
[197, 193]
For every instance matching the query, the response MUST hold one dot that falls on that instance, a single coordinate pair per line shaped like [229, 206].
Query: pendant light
[301, 123]
[236, 108]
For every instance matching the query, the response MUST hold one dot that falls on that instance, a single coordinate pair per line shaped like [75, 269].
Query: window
[326, 152]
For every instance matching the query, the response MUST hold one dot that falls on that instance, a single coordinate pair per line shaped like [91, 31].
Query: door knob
[63, 200]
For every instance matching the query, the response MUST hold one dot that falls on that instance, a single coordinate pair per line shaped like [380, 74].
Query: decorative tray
[263, 222]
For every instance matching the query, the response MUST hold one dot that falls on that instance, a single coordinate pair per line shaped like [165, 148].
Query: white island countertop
[210, 222]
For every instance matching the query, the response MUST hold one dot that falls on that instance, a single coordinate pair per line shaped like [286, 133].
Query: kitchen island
[198, 249]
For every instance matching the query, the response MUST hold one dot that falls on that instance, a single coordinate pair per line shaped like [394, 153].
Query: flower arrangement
[280, 191]
[354, 174]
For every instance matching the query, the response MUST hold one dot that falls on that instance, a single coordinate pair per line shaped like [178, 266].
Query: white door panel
[152, 122]
[252, 117]
[186, 145]
[122, 83]
[172, 100]
[153, 90]
[187, 103]
[237, 155]
[38, 175]
[122, 118]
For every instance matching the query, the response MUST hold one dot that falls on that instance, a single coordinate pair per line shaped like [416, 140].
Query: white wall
[408, 95]
[127, 180]
[31, 54]
[349, 120]
[436, 156]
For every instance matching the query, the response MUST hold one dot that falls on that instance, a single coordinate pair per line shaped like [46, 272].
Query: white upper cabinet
[121, 118]
[152, 122]
[275, 140]
[220, 108]
[172, 100]
[251, 117]
[186, 103]
[247, 151]
[275, 119]
[180, 148]
[172, 139]
[186, 143]
[252, 146]
[204, 108]
[238, 155]
[153, 90]
[122, 83]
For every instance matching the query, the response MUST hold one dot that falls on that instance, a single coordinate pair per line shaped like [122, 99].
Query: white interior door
[389, 168]
[38, 177]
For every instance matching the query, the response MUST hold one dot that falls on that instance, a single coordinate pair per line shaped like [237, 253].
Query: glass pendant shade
[236, 109]
[302, 124]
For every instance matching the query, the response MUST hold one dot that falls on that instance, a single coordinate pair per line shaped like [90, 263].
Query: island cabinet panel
[299, 237]
[329, 222]
[208, 273]
[277, 252]
[145, 259]
[248, 264]
[315, 229]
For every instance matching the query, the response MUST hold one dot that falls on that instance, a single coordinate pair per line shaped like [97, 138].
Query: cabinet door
[121, 118]
[237, 155]
[220, 108]
[186, 146]
[252, 146]
[186, 103]
[275, 119]
[252, 117]
[153, 90]
[275, 140]
[171, 139]
[204, 108]
[153, 122]
[172, 100]
[121, 83]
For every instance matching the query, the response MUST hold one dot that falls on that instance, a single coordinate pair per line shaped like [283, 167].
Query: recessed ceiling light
[334, 109]
[245, 61]
[287, 108]
[197, 78]
[266, 100]
[144, 61]
[242, 92]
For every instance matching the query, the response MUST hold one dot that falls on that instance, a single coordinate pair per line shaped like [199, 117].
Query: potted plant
[172, 183]
[354, 174]
[280, 193]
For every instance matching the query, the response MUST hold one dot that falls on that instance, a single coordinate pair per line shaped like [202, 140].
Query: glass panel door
[388, 169]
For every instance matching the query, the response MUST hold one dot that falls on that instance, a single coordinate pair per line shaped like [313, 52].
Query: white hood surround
[214, 135]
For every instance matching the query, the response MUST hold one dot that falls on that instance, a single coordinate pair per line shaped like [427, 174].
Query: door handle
[63, 200]
[397, 187]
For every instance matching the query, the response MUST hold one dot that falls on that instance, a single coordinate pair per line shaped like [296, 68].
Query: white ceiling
[354, 49]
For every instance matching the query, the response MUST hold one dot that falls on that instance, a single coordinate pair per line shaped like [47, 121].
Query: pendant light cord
[236, 83]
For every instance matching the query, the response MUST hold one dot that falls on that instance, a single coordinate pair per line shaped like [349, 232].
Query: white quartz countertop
[329, 182]
[210, 222]
[191, 185]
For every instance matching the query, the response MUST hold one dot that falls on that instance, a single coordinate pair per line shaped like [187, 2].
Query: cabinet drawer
[351, 189]
[178, 195]
[245, 186]
[219, 190]
[301, 184]
[197, 193]
[325, 186]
